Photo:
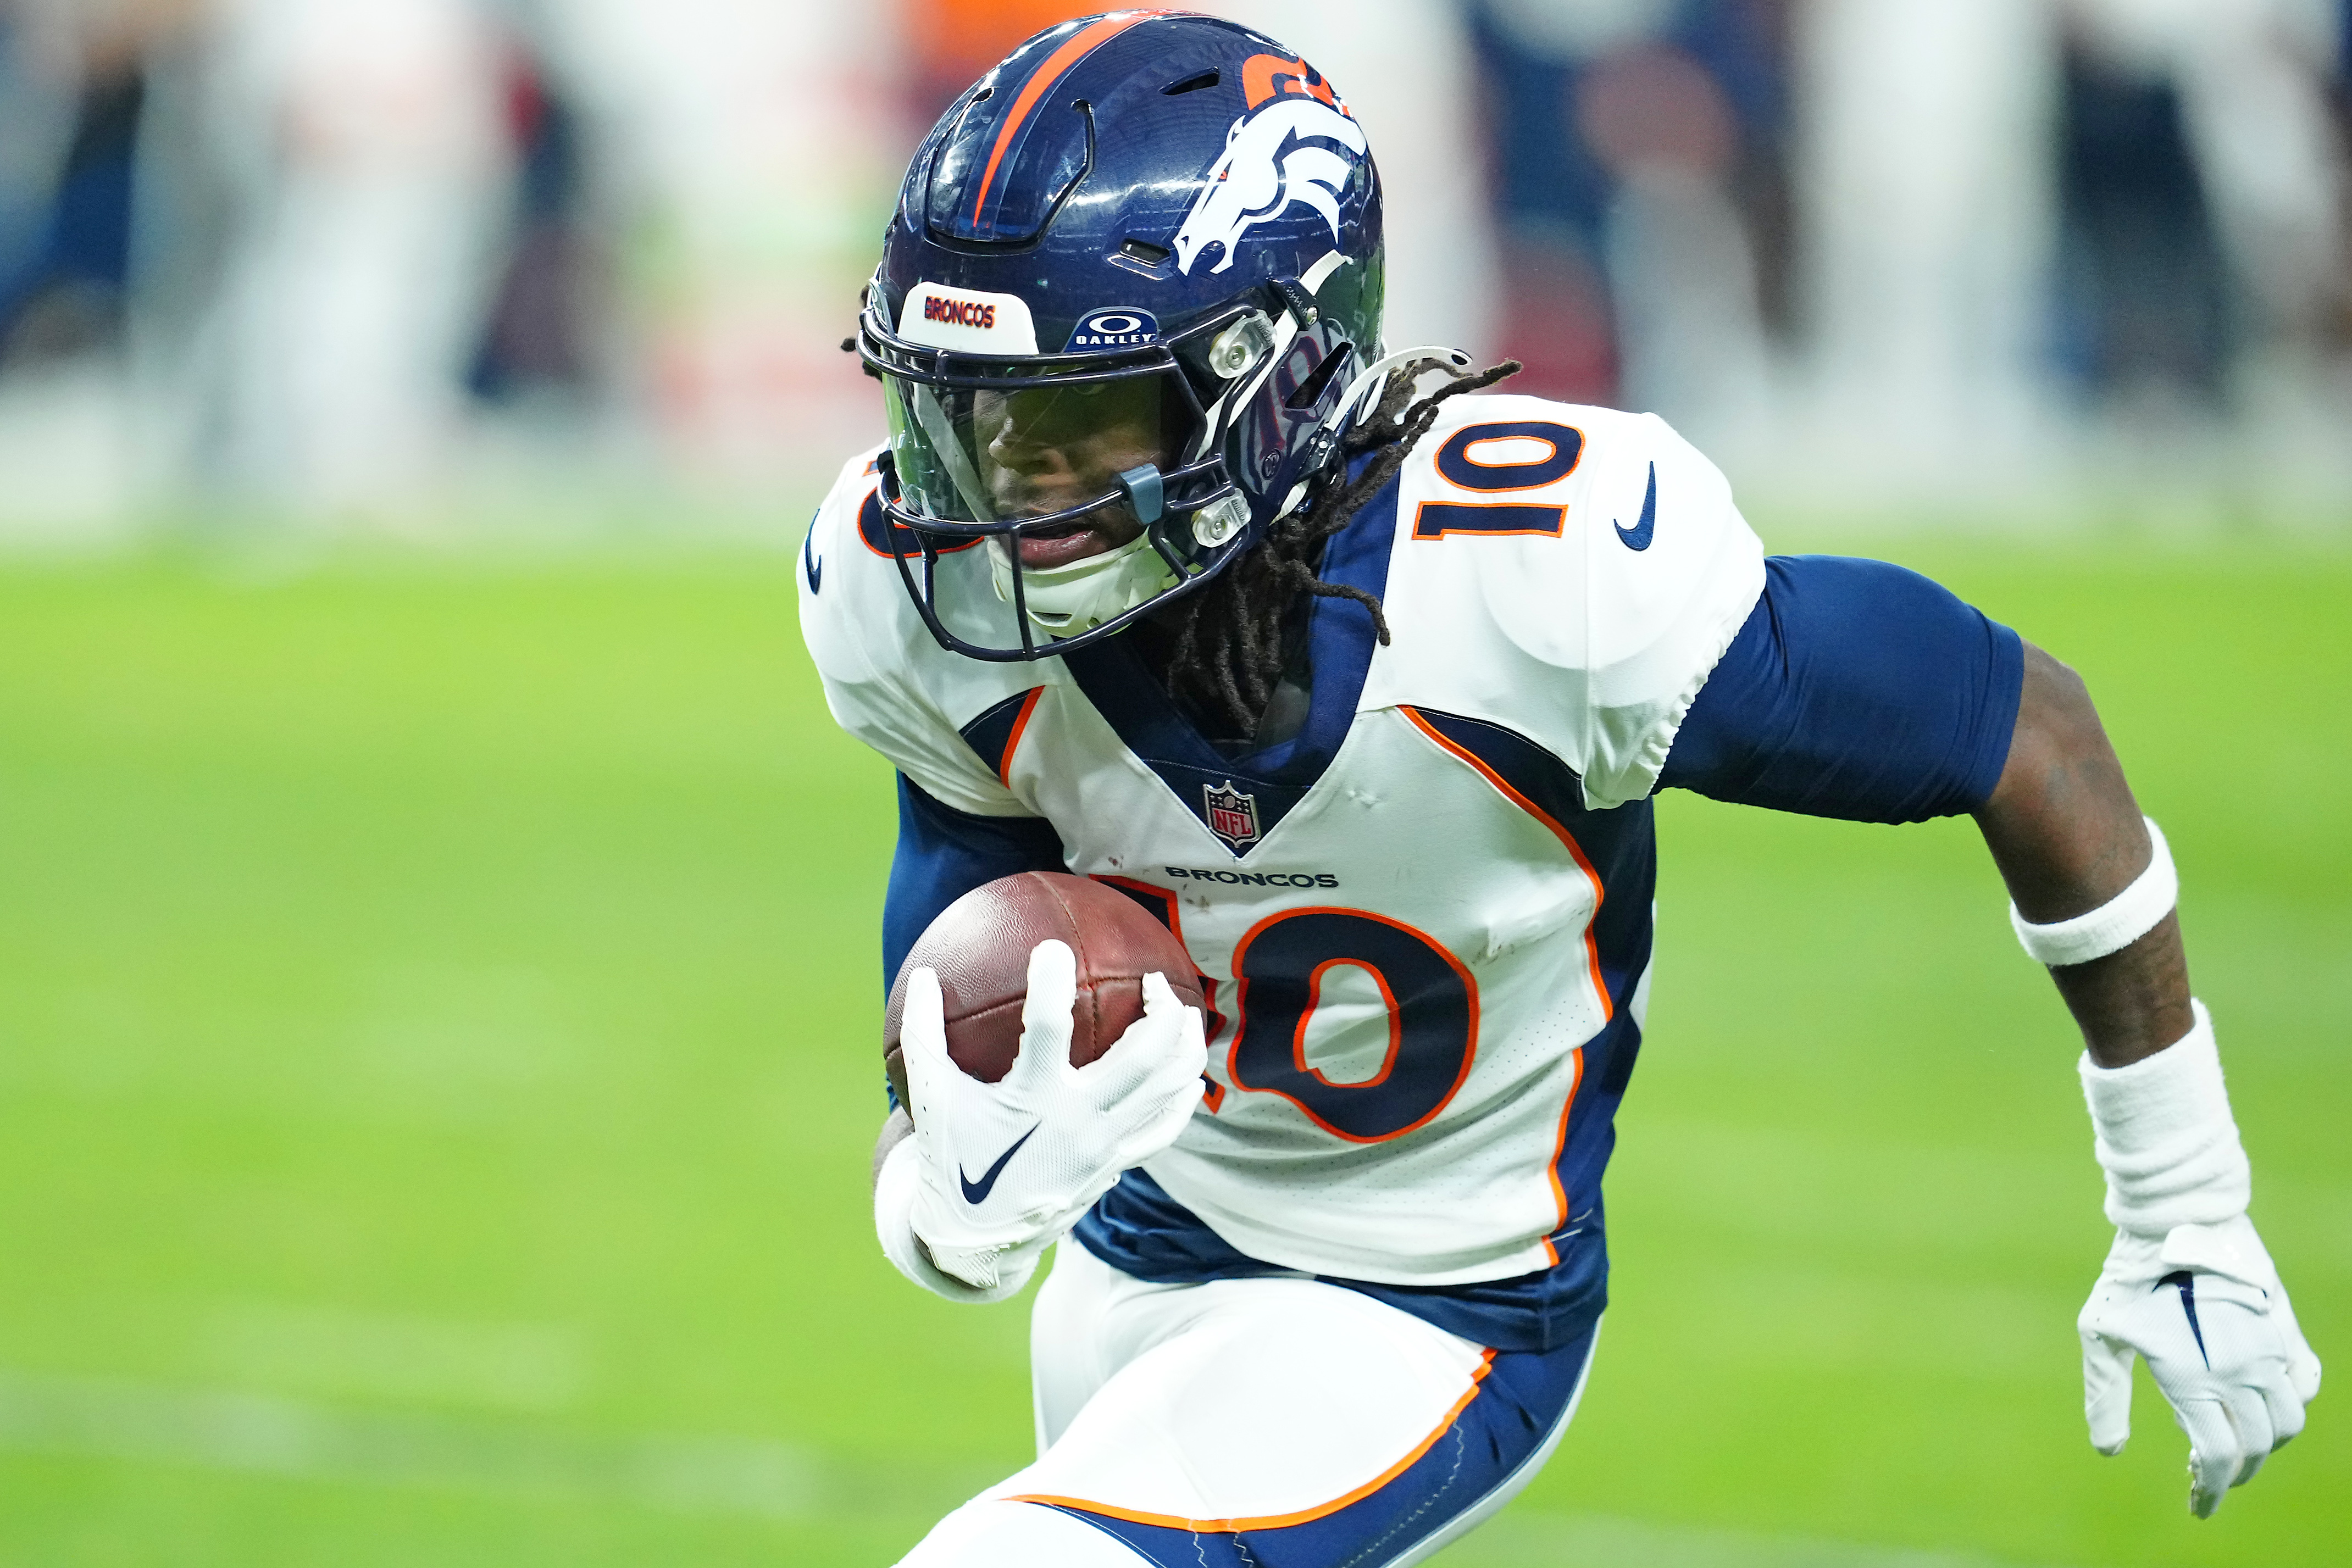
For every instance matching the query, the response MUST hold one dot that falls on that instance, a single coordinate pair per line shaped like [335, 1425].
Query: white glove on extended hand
[1010, 1166]
[2188, 1284]
[2205, 1307]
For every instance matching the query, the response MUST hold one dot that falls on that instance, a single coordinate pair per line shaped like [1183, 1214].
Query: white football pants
[1266, 1422]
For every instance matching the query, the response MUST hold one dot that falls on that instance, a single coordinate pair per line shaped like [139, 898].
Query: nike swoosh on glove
[1009, 1167]
[2205, 1308]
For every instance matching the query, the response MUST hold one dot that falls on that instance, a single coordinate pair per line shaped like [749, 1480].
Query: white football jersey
[1425, 922]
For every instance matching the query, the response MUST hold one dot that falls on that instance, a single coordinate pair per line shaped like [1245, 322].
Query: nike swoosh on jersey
[811, 562]
[976, 1192]
[1638, 535]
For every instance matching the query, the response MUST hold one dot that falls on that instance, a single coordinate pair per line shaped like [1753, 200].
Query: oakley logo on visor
[1114, 330]
[967, 318]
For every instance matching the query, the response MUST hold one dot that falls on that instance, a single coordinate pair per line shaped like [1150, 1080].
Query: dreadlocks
[1228, 650]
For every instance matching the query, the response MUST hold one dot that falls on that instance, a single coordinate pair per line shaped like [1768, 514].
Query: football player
[1362, 678]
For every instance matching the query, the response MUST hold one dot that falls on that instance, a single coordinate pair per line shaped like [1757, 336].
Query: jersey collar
[1341, 642]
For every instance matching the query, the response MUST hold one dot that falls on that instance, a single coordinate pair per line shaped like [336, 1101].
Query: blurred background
[438, 919]
[441, 265]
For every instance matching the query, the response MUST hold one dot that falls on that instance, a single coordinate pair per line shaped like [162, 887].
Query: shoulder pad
[1573, 571]
[887, 680]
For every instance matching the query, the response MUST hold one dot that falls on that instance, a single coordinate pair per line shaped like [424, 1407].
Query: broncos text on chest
[1252, 878]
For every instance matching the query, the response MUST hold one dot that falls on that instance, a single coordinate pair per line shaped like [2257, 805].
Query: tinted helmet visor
[1004, 452]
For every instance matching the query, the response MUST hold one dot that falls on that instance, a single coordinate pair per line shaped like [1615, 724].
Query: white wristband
[2114, 924]
[894, 1227]
[2166, 1138]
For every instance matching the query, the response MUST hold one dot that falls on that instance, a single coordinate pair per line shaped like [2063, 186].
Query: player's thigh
[1087, 1321]
[1273, 1422]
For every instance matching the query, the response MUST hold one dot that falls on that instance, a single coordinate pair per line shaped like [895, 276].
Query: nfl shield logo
[1232, 816]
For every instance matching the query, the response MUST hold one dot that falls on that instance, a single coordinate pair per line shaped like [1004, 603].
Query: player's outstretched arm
[1858, 689]
[2188, 1283]
[2068, 837]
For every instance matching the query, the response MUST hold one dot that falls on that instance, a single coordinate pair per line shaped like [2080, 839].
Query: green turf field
[436, 1072]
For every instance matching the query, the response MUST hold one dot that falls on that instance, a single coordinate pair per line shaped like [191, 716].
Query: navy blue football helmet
[1133, 280]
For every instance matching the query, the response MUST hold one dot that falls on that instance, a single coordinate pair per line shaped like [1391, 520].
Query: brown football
[980, 948]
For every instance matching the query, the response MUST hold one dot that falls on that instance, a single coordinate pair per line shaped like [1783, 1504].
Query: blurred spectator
[740, 152]
[312, 248]
[369, 150]
[1552, 193]
[2201, 190]
[538, 340]
[66, 204]
[2340, 96]
[2143, 297]
[37, 81]
[1641, 179]
[1924, 174]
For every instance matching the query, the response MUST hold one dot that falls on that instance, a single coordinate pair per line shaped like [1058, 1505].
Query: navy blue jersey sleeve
[1856, 689]
[944, 853]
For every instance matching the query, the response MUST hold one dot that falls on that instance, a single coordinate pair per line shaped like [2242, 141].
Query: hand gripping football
[980, 948]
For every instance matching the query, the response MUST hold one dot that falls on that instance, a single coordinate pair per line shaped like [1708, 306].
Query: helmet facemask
[1028, 452]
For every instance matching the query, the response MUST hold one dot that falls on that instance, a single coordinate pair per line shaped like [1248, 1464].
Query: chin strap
[1064, 600]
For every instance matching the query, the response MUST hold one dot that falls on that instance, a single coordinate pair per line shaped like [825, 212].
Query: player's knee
[990, 1533]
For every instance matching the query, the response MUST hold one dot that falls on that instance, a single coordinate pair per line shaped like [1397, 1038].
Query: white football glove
[2205, 1307]
[2188, 1284]
[1008, 1166]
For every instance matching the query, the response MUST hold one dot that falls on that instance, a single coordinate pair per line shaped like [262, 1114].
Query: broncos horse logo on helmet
[1076, 185]
[1270, 160]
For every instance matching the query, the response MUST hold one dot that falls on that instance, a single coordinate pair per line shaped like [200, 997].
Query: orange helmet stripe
[1057, 64]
